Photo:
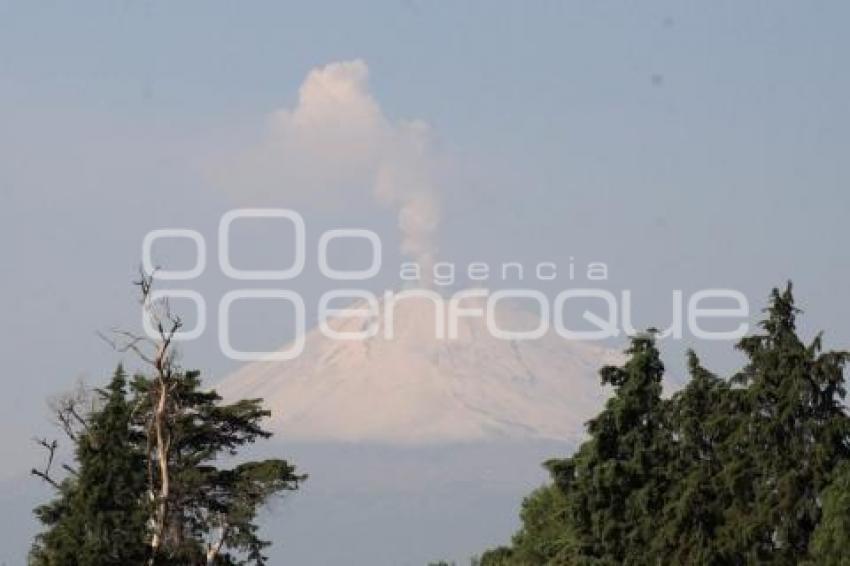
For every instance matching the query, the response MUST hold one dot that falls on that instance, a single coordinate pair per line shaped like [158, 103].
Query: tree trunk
[162, 453]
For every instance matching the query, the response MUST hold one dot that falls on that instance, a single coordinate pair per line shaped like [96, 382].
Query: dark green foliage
[753, 470]
[545, 532]
[210, 504]
[698, 419]
[501, 556]
[616, 492]
[831, 537]
[99, 516]
[795, 433]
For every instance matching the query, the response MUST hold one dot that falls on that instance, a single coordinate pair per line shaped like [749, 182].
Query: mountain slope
[415, 388]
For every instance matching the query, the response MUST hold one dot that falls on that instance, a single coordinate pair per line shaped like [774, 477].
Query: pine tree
[613, 491]
[500, 556]
[794, 436]
[755, 470]
[829, 540]
[545, 534]
[699, 420]
[212, 510]
[147, 488]
[618, 495]
[98, 517]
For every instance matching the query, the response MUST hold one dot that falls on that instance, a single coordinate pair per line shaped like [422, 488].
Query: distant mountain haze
[417, 388]
[417, 434]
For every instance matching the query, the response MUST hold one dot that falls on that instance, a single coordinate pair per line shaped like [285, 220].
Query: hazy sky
[685, 145]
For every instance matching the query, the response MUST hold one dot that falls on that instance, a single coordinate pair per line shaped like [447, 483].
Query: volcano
[418, 388]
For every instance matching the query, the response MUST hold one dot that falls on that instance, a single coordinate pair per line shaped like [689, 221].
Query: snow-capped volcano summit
[416, 387]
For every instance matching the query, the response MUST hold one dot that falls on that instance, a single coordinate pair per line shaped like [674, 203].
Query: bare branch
[51, 453]
[145, 282]
[126, 341]
[66, 408]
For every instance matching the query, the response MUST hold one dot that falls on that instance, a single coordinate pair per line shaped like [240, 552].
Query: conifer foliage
[98, 516]
[148, 485]
[101, 513]
[749, 470]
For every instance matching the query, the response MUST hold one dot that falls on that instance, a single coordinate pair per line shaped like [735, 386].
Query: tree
[147, 488]
[615, 494]
[546, 535]
[212, 510]
[99, 515]
[750, 470]
[795, 434]
[500, 556]
[198, 513]
[698, 418]
[829, 540]
[604, 500]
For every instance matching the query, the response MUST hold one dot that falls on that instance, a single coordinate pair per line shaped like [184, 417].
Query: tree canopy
[752, 469]
[102, 513]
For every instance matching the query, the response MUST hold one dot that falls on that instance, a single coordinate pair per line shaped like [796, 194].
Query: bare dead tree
[159, 353]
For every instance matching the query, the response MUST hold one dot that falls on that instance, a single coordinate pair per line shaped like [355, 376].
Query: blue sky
[685, 144]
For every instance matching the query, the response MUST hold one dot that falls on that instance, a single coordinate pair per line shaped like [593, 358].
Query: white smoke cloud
[336, 149]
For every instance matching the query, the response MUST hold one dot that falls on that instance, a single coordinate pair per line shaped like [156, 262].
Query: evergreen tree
[609, 492]
[500, 556]
[101, 514]
[755, 470]
[616, 493]
[212, 510]
[793, 437]
[546, 536]
[99, 517]
[830, 538]
[699, 420]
